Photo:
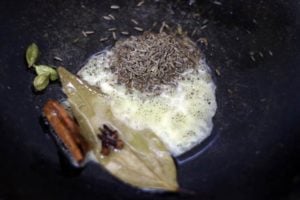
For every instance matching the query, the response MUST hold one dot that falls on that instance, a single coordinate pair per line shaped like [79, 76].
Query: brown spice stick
[66, 128]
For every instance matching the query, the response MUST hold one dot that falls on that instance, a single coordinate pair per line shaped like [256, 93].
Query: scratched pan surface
[253, 152]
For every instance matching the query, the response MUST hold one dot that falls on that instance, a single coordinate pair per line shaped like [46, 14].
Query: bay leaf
[144, 162]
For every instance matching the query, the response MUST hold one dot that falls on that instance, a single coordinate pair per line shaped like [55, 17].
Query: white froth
[181, 116]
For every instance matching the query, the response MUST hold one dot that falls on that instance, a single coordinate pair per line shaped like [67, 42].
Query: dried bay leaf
[144, 161]
[79, 97]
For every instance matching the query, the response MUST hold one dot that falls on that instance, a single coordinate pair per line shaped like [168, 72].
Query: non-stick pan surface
[253, 152]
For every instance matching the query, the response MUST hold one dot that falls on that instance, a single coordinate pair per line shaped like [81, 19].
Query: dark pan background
[254, 149]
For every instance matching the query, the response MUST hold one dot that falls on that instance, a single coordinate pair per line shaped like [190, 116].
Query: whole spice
[138, 29]
[134, 21]
[107, 18]
[140, 3]
[58, 58]
[32, 54]
[44, 72]
[115, 7]
[112, 17]
[125, 33]
[114, 35]
[110, 140]
[103, 39]
[40, 82]
[112, 29]
[66, 128]
[218, 72]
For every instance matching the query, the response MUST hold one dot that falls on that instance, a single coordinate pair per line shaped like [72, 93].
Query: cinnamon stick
[66, 128]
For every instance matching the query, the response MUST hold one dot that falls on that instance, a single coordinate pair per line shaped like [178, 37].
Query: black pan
[253, 152]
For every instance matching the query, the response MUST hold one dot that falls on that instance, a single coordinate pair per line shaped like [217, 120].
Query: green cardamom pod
[41, 82]
[32, 54]
[45, 69]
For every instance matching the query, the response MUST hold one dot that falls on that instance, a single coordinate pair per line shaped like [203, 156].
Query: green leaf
[32, 54]
[41, 82]
[144, 161]
[44, 69]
